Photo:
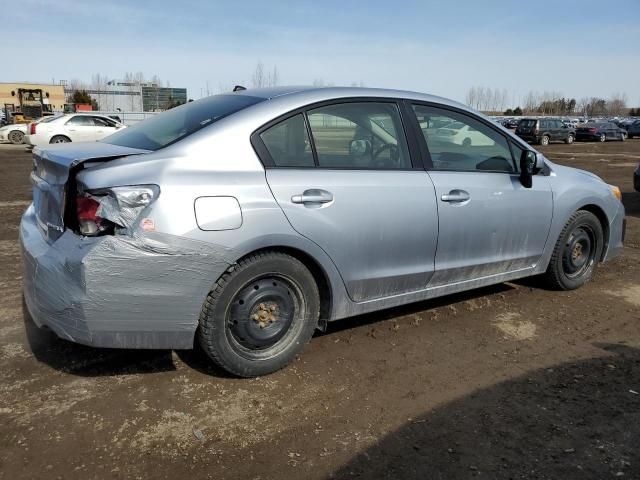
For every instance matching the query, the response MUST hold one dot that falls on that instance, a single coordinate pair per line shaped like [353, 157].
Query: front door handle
[456, 196]
[313, 196]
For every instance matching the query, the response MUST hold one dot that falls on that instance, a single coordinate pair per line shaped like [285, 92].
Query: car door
[343, 175]
[79, 128]
[102, 128]
[488, 222]
[560, 131]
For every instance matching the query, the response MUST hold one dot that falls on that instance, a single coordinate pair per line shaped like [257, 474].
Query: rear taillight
[88, 220]
[593, 130]
[32, 129]
[115, 210]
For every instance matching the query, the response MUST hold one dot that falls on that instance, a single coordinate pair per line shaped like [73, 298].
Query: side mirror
[530, 164]
[359, 148]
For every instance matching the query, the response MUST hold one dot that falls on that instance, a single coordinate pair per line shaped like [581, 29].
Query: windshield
[180, 122]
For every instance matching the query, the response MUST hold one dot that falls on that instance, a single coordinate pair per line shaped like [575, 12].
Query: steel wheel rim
[260, 318]
[579, 251]
[545, 141]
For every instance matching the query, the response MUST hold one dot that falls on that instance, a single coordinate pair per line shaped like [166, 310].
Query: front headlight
[616, 192]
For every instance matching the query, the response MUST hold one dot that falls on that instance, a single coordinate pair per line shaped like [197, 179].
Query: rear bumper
[118, 292]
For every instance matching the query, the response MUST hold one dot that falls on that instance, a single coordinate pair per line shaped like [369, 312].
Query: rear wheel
[623, 136]
[569, 139]
[60, 139]
[260, 314]
[544, 140]
[16, 137]
[466, 142]
[603, 137]
[576, 252]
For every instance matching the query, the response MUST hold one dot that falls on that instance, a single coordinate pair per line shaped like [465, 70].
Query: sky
[579, 48]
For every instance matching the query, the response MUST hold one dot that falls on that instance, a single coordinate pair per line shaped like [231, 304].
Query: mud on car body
[244, 222]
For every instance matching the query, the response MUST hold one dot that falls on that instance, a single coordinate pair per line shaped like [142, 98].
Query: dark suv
[544, 131]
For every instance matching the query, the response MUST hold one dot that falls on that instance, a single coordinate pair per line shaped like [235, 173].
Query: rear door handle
[313, 196]
[456, 196]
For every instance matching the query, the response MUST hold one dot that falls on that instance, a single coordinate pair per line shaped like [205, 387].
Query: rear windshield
[180, 122]
[527, 123]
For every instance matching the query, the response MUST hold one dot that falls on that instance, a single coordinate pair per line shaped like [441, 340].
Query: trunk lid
[52, 167]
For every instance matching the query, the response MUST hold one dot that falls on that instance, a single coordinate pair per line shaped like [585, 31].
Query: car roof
[304, 93]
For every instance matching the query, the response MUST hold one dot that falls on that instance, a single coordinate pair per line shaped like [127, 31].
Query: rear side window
[527, 123]
[364, 135]
[180, 122]
[80, 121]
[288, 143]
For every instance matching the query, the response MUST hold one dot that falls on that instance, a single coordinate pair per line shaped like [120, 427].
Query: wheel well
[604, 222]
[319, 275]
[59, 136]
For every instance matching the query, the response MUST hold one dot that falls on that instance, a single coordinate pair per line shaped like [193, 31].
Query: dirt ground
[505, 382]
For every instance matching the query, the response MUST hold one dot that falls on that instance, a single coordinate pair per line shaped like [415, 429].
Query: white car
[461, 134]
[71, 128]
[13, 133]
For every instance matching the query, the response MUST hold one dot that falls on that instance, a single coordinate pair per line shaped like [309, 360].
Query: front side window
[364, 135]
[102, 122]
[457, 141]
[288, 143]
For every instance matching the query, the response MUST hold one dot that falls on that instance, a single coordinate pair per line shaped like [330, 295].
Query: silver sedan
[243, 222]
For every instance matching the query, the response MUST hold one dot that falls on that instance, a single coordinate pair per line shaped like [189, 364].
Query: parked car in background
[633, 129]
[600, 132]
[13, 133]
[75, 127]
[243, 222]
[544, 131]
[511, 123]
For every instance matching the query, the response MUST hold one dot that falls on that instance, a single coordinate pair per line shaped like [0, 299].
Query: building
[156, 98]
[54, 95]
[119, 95]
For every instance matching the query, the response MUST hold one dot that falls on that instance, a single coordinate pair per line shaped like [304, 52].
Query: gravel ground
[510, 381]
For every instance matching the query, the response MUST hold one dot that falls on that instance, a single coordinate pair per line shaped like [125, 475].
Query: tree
[83, 98]
[262, 79]
[508, 111]
[517, 111]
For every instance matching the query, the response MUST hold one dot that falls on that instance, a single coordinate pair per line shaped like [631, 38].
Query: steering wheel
[394, 155]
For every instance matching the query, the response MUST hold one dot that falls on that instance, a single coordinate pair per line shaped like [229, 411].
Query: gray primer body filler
[142, 291]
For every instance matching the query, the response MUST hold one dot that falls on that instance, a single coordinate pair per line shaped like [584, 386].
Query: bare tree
[617, 104]
[258, 78]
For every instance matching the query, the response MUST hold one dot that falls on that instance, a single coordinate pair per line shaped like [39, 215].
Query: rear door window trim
[412, 144]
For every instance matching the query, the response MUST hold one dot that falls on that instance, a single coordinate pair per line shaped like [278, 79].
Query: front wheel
[569, 139]
[260, 314]
[623, 137]
[576, 252]
[544, 140]
[603, 137]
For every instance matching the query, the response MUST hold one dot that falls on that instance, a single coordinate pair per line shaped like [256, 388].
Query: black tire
[237, 329]
[570, 267]
[60, 139]
[570, 139]
[16, 137]
[544, 140]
